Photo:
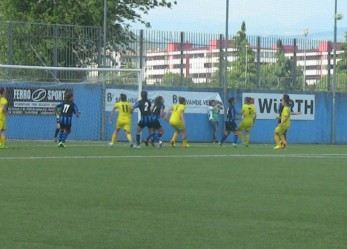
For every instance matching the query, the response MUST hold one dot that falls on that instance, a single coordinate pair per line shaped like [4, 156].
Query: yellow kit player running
[3, 110]
[283, 126]
[124, 119]
[249, 115]
[177, 122]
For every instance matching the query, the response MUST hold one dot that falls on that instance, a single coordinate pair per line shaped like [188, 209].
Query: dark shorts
[155, 125]
[65, 127]
[230, 126]
[142, 124]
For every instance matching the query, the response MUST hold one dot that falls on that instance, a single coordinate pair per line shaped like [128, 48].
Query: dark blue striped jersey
[231, 114]
[156, 111]
[68, 108]
[144, 106]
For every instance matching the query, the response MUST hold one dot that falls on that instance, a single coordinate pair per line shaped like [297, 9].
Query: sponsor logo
[38, 95]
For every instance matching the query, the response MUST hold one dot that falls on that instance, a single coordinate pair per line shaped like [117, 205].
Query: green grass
[203, 197]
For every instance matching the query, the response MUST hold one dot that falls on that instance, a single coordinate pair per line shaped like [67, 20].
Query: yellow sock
[240, 136]
[184, 141]
[129, 137]
[277, 139]
[247, 138]
[114, 138]
[174, 137]
[3, 139]
[283, 139]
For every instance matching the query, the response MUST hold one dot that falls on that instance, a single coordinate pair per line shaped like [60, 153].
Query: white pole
[334, 79]
[105, 31]
[305, 33]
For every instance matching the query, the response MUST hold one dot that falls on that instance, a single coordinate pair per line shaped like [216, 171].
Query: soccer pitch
[89, 195]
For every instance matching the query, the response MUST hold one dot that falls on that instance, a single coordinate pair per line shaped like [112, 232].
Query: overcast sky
[262, 17]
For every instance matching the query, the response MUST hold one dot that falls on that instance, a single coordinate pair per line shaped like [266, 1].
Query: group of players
[150, 118]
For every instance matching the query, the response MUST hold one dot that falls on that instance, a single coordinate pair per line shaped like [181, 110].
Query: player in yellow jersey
[177, 122]
[249, 115]
[3, 111]
[124, 119]
[283, 126]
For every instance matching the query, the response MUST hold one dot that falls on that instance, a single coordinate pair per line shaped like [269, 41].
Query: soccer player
[68, 108]
[283, 126]
[213, 118]
[144, 106]
[280, 109]
[3, 111]
[157, 112]
[57, 129]
[177, 122]
[230, 124]
[248, 118]
[124, 119]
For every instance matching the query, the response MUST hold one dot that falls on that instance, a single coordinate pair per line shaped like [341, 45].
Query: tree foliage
[120, 15]
[174, 79]
[243, 68]
[341, 65]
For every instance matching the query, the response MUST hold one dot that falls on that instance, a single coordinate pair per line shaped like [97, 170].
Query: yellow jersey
[3, 103]
[248, 112]
[177, 110]
[124, 109]
[285, 113]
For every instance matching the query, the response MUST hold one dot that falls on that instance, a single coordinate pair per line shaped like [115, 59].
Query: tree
[341, 65]
[85, 13]
[174, 79]
[243, 68]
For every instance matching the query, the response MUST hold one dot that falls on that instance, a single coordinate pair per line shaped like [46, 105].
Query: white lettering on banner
[56, 95]
[266, 105]
[21, 94]
[197, 102]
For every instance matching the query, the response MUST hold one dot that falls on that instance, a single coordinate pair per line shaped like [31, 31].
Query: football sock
[223, 138]
[159, 135]
[283, 139]
[149, 136]
[240, 136]
[277, 139]
[65, 134]
[56, 132]
[114, 137]
[235, 138]
[61, 135]
[184, 141]
[247, 138]
[174, 137]
[130, 139]
[138, 137]
[3, 139]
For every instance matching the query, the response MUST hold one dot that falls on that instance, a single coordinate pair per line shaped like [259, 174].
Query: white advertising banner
[266, 105]
[197, 102]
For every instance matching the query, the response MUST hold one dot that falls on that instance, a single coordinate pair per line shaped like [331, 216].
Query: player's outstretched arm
[168, 113]
[112, 113]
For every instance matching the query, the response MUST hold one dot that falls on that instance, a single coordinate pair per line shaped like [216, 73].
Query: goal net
[33, 92]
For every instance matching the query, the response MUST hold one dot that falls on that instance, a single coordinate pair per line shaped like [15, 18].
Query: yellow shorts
[2, 124]
[245, 126]
[125, 125]
[280, 129]
[177, 125]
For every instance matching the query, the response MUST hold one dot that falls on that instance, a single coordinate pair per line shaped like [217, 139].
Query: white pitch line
[178, 156]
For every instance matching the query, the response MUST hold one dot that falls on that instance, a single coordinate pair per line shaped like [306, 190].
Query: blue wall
[88, 126]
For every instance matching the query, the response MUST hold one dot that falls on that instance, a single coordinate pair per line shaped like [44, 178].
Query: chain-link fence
[177, 58]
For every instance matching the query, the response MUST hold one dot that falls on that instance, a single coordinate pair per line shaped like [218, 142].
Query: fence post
[10, 44]
[141, 49]
[98, 47]
[221, 59]
[294, 76]
[329, 66]
[182, 53]
[258, 61]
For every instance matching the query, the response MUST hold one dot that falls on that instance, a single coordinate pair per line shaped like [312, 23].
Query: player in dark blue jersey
[157, 112]
[230, 124]
[144, 106]
[68, 108]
